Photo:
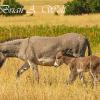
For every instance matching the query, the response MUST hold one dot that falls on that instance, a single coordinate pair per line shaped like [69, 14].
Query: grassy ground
[52, 84]
[52, 80]
[85, 20]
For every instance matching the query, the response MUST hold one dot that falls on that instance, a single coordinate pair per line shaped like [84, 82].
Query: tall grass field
[52, 84]
[13, 32]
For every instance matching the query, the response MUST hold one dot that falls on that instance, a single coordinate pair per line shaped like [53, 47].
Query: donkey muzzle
[56, 64]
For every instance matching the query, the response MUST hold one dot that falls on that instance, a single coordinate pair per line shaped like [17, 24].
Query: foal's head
[59, 59]
[2, 59]
[62, 57]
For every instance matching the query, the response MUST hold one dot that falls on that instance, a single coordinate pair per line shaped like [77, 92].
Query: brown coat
[79, 65]
[84, 63]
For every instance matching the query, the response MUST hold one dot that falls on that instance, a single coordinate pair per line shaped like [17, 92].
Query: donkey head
[61, 55]
[2, 59]
[59, 59]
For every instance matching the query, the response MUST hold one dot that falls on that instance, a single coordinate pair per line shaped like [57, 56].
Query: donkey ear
[63, 52]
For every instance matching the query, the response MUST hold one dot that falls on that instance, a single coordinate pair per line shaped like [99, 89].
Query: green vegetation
[82, 7]
[11, 32]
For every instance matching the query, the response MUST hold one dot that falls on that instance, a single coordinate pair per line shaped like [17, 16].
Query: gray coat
[38, 50]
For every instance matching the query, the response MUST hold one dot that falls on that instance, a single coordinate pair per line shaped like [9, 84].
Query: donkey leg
[81, 76]
[24, 67]
[93, 77]
[76, 53]
[72, 76]
[35, 70]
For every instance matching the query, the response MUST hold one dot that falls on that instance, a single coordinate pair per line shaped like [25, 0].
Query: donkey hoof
[67, 82]
[18, 74]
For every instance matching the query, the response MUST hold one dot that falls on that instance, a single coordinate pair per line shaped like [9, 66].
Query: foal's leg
[94, 77]
[24, 67]
[72, 76]
[35, 69]
[81, 76]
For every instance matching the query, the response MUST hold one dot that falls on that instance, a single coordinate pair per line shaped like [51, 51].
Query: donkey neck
[67, 59]
[10, 48]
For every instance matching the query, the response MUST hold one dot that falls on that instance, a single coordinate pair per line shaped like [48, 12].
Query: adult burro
[38, 50]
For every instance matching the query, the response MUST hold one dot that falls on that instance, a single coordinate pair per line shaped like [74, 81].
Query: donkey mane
[11, 39]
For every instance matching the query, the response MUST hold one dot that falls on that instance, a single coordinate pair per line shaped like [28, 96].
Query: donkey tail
[89, 48]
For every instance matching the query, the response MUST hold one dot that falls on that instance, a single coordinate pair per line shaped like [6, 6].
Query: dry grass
[39, 18]
[84, 20]
[43, 2]
[51, 87]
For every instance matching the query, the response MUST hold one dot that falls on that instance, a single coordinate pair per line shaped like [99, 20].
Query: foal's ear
[63, 52]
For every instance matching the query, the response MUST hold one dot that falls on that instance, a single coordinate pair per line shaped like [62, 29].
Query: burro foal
[79, 65]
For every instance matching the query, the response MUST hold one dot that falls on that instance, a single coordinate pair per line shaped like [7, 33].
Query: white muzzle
[56, 64]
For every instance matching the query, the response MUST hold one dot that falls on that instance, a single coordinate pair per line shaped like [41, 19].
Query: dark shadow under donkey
[38, 50]
[79, 65]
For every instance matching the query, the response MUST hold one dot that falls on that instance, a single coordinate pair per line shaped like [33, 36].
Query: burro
[38, 50]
